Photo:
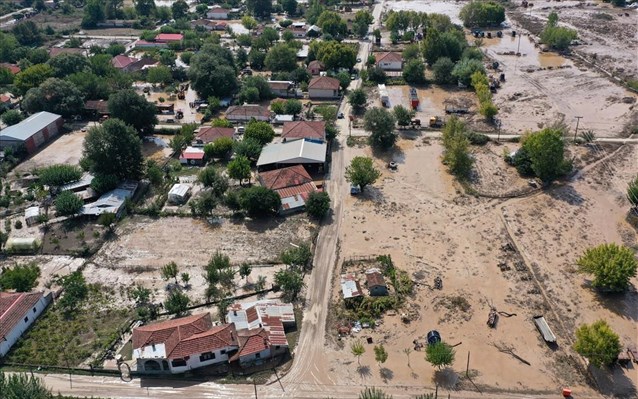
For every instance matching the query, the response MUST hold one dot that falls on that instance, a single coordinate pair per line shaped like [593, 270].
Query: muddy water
[451, 9]
[530, 53]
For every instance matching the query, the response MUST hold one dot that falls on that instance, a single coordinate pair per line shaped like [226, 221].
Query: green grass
[55, 340]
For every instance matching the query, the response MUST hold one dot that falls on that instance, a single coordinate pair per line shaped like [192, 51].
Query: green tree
[289, 6]
[482, 14]
[402, 115]
[204, 204]
[299, 256]
[210, 177]
[314, 10]
[442, 70]
[134, 110]
[145, 7]
[632, 193]
[27, 33]
[344, 80]
[54, 95]
[361, 22]
[22, 278]
[290, 282]
[107, 220]
[59, 174]
[464, 69]
[373, 393]
[64, 65]
[362, 172]
[380, 354]
[245, 269]
[22, 385]
[169, 271]
[12, 117]
[179, 9]
[259, 201]
[212, 72]
[331, 23]
[260, 131]
[334, 54]
[93, 13]
[293, 107]
[177, 302]
[32, 77]
[439, 354]
[281, 57]
[414, 71]
[318, 204]
[557, 37]
[220, 148]
[256, 59]
[546, 152]
[380, 123]
[612, 266]
[411, 52]
[113, 137]
[75, 292]
[160, 74]
[377, 75]
[68, 204]
[249, 22]
[249, 148]
[259, 8]
[357, 99]
[357, 350]
[598, 343]
[239, 169]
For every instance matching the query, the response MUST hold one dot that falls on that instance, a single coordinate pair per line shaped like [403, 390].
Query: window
[206, 356]
[34, 310]
[178, 362]
[223, 352]
[26, 319]
[276, 347]
[258, 356]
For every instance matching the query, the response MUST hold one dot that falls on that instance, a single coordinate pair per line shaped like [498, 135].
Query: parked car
[355, 189]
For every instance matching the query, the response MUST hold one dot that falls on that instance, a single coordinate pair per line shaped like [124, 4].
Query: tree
[318, 204]
[293, 107]
[380, 354]
[411, 52]
[54, 95]
[259, 8]
[144, 7]
[220, 148]
[249, 148]
[104, 183]
[299, 256]
[27, 33]
[160, 74]
[170, 271]
[248, 22]
[281, 57]
[377, 75]
[94, 12]
[357, 350]
[239, 168]
[402, 115]
[555, 36]
[344, 80]
[210, 177]
[447, 44]
[113, 149]
[290, 282]
[374, 393]
[612, 266]
[32, 77]
[177, 302]
[442, 70]
[68, 204]
[546, 152]
[361, 22]
[260, 131]
[179, 9]
[75, 292]
[64, 65]
[256, 59]
[212, 72]
[632, 192]
[456, 155]
[598, 343]
[464, 69]
[414, 71]
[380, 123]
[22, 278]
[331, 23]
[107, 220]
[362, 172]
[133, 109]
[245, 269]
[12, 117]
[259, 201]
[334, 54]
[482, 14]
[439, 354]
[204, 204]
[22, 385]
[59, 174]
[289, 6]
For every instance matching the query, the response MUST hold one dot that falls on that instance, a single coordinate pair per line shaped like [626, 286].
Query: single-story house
[313, 31]
[375, 282]
[209, 25]
[97, 107]
[31, 215]
[323, 87]
[298, 33]
[390, 61]
[208, 134]
[315, 67]
[295, 152]
[244, 113]
[130, 64]
[282, 118]
[143, 44]
[217, 13]
[179, 345]
[32, 132]
[5, 102]
[169, 37]
[13, 68]
[179, 193]
[17, 312]
[261, 330]
[192, 156]
[293, 185]
[282, 88]
[112, 201]
[311, 130]
[350, 287]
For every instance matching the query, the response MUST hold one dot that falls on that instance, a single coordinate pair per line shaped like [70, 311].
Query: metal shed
[543, 328]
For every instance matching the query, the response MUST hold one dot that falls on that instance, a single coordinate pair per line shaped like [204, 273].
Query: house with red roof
[192, 156]
[130, 64]
[217, 12]
[18, 311]
[169, 37]
[315, 67]
[179, 345]
[261, 329]
[311, 130]
[389, 61]
[293, 185]
[323, 87]
[13, 68]
[208, 134]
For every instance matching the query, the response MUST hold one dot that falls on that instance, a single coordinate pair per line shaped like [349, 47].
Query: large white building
[17, 312]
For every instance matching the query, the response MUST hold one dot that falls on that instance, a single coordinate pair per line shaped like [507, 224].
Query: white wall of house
[323, 93]
[390, 66]
[177, 366]
[255, 358]
[217, 15]
[25, 322]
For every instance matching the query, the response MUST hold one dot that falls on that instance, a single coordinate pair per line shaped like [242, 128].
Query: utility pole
[578, 118]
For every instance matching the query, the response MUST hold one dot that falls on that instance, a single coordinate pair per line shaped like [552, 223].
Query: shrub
[67, 203]
[598, 343]
[21, 278]
[557, 37]
[60, 174]
[318, 204]
[259, 201]
[612, 266]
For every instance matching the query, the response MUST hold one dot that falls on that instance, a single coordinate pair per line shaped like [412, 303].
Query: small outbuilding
[350, 286]
[31, 215]
[192, 156]
[376, 283]
[22, 245]
[179, 193]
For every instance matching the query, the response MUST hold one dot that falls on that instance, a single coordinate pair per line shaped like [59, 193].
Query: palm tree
[373, 393]
[407, 352]
[358, 350]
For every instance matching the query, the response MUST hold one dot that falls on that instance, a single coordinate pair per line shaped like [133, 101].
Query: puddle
[505, 49]
[451, 9]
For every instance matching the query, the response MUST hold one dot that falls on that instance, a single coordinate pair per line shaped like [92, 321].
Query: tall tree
[331, 22]
[114, 149]
[180, 9]
[94, 13]
[546, 150]
[362, 172]
[239, 168]
[64, 65]
[259, 201]
[612, 266]
[54, 95]
[27, 33]
[259, 8]
[380, 123]
[134, 110]
[32, 77]
[144, 7]
[281, 58]
[402, 115]
[598, 343]
[212, 72]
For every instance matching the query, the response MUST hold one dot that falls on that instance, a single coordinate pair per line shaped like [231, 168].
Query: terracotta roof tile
[208, 134]
[324, 83]
[284, 177]
[388, 57]
[14, 307]
[304, 130]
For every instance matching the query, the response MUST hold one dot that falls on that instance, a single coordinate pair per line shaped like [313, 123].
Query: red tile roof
[169, 37]
[252, 341]
[11, 67]
[4, 99]
[388, 57]
[324, 83]
[193, 153]
[304, 130]
[100, 106]
[251, 314]
[316, 64]
[122, 61]
[247, 110]
[14, 307]
[208, 134]
[285, 177]
[186, 336]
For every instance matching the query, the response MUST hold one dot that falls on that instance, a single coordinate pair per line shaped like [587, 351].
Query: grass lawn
[55, 340]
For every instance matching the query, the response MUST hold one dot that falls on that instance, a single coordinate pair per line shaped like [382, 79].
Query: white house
[389, 61]
[323, 87]
[17, 312]
[217, 13]
[179, 345]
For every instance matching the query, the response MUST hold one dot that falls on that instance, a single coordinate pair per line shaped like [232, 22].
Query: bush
[481, 14]
[22, 278]
[477, 138]
[546, 153]
[612, 266]
[377, 75]
[259, 201]
[598, 343]
[555, 36]
[67, 204]
[439, 354]
[12, 117]
[58, 175]
[318, 204]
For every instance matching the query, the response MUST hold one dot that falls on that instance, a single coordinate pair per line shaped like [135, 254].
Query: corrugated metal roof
[293, 152]
[350, 286]
[543, 328]
[30, 126]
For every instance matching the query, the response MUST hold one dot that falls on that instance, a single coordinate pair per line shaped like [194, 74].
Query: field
[516, 255]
